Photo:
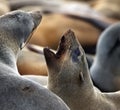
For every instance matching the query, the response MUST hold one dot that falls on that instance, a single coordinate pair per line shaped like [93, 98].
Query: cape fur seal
[109, 8]
[69, 78]
[16, 92]
[105, 70]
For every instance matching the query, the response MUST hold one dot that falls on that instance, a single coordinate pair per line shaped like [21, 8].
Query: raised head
[16, 28]
[68, 65]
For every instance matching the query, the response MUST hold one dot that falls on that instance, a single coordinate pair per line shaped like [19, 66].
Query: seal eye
[75, 54]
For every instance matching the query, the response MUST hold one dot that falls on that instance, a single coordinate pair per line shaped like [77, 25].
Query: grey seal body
[70, 79]
[16, 92]
[105, 70]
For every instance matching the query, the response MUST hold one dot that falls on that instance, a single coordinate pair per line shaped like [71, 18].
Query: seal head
[18, 26]
[68, 74]
[68, 61]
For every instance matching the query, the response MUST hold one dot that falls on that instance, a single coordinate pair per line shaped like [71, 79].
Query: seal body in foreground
[16, 92]
[105, 71]
[70, 79]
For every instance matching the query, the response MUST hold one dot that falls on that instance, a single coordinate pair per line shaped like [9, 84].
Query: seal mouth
[68, 46]
[28, 39]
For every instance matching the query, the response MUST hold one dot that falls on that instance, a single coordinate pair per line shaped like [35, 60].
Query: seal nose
[66, 42]
[36, 15]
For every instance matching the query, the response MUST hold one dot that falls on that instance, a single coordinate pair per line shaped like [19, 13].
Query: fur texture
[16, 92]
[69, 78]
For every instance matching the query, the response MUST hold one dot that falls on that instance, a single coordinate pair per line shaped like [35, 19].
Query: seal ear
[81, 77]
[83, 65]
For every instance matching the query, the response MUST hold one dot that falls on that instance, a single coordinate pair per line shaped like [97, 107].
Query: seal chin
[36, 16]
[23, 44]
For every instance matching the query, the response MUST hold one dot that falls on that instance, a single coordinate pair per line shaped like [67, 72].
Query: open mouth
[68, 45]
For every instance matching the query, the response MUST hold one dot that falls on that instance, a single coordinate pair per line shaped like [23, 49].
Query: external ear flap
[81, 77]
[84, 64]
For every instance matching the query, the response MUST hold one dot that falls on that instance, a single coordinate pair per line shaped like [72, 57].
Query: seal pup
[106, 66]
[16, 92]
[70, 79]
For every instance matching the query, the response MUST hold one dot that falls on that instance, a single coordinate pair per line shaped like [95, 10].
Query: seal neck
[8, 59]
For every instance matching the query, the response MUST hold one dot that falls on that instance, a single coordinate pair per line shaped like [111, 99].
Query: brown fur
[69, 78]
